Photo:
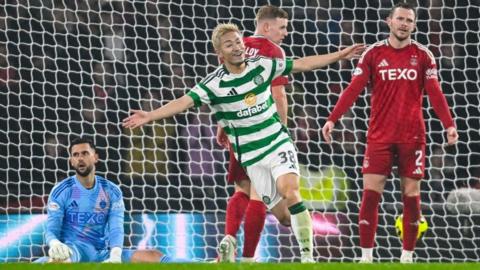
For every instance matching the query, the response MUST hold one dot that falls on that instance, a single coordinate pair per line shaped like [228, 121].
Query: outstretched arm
[317, 61]
[140, 118]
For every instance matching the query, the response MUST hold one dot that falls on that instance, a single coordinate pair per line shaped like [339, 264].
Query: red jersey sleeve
[435, 95]
[260, 45]
[360, 78]
[277, 52]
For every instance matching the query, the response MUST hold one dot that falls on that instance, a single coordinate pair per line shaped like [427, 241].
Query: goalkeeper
[85, 216]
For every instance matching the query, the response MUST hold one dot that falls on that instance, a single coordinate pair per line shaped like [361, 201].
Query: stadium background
[70, 68]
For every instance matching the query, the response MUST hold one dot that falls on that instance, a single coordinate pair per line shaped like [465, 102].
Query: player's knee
[411, 193]
[292, 196]
[410, 187]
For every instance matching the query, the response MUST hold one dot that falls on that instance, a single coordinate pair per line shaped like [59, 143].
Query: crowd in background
[70, 68]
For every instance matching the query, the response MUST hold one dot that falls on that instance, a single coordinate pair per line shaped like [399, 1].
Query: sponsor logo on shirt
[250, 99]
[266, 199]
[258, 80]
[431, 73]
[418, 170]
[117, 205]
[232, 92]
[86, 218]
[383, 63]
[357, 71]
[413, 60]
[103, 204]
[74, 204]
[393, 74]
[53, 206]
[253, 110]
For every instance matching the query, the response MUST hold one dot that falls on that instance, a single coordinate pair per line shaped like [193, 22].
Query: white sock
[367, 252]
[248, 259]
[303, 231]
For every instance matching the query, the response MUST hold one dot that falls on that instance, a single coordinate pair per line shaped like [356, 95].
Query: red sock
[253, 226]
[368, 218]
[236, 207]
[411, 217]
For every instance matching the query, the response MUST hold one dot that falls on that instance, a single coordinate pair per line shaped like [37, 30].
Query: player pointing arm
[309, 63]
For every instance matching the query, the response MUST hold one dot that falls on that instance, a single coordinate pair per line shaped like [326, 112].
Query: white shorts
[264, 173]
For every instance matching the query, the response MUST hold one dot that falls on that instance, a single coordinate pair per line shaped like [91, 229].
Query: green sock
[302, 228]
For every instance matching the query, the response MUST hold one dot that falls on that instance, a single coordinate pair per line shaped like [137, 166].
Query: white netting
[70, 68]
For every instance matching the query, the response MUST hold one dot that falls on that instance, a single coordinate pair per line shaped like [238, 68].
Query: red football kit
[398, 78]
[255, 46]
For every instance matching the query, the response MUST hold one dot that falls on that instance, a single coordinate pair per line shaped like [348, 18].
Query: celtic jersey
[244, 107]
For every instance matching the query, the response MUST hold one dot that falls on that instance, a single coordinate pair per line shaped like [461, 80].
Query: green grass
[259, 266]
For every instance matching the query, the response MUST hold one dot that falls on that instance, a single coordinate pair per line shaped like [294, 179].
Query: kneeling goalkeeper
[85, 216]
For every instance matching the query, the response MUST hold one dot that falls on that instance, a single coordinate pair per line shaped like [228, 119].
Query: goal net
[71, 68]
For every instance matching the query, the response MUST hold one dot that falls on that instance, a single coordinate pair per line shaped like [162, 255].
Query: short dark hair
[402, 5]
[271, 12]
[81, 140]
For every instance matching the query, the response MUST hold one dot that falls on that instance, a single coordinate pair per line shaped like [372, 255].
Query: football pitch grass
[259, 266]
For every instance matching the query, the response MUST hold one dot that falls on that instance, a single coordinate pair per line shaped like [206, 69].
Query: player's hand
[354, 51]
[222, 138]
[115, 256]
[452, 136]
[137, 119]
[327, 131]
[58, 251]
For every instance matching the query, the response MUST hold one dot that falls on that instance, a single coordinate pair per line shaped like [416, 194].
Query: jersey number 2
[418, 161]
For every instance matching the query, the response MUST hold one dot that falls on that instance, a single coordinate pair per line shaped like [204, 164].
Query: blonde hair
[221, 30]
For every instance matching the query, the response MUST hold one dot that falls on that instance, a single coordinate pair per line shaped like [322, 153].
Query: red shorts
[235, 171]
[409, 157]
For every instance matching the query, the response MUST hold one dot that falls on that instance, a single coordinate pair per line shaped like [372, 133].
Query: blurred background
[71, 68]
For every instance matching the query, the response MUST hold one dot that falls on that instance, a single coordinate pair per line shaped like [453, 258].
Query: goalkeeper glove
[58, 251]
[115, 256]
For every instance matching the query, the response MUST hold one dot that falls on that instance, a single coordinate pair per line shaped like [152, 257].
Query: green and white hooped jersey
[244, 107]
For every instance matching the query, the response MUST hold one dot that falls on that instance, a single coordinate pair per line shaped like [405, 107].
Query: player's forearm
[116, 233]
[116, 237]
[171, 108]
[115, 223]
[439, 103]
[280, 97]
[54, 226]
[315, 62]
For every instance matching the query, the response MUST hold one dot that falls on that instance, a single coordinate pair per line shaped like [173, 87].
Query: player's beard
[85, 172]
[399, 38]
